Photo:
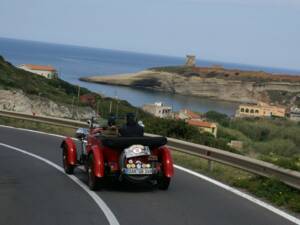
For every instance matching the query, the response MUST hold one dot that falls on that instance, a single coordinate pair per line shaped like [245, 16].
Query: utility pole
[101, 111]
[97, 107]
[78, 100]
[110, 106]
[136, 113]
[73, 107]
[117, 109]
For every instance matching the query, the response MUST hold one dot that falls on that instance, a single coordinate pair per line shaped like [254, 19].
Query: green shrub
[171, 128]
[181, 130]
[231, 134]
[173, 69]
[289, 133]
[255, 129]
[292, 163]
[282, 147]
[220, 118]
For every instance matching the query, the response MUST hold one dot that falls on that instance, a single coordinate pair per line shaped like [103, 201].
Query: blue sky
[257, 32]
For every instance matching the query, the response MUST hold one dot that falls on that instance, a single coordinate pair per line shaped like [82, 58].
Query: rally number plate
[136, 171]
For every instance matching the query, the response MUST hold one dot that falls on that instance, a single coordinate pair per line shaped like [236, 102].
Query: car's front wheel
[94, 182]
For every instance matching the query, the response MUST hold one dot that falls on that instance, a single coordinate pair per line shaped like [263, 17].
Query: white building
[158, 109]
[294, 114]
[45, 71]
[260, 110]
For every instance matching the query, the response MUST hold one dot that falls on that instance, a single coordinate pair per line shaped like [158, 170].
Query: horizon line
[253, 66]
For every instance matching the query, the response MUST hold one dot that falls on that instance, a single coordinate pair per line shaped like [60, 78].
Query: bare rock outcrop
[17, 101]
[238, 90]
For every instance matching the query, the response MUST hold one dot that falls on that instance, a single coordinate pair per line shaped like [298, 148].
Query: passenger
[131, 128]
[111, 129]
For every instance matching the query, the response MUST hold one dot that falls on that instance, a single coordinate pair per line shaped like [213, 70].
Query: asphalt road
[32, 192]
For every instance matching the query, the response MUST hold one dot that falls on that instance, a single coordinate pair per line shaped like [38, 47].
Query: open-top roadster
[135, 159]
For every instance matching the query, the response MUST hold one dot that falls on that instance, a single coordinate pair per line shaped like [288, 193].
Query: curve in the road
[102, 205]
[189, 201]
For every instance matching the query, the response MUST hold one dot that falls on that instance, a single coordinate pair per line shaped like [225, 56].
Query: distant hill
[212, 82]
[56, 89]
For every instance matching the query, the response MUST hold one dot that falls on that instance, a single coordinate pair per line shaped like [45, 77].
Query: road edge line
[241, 194]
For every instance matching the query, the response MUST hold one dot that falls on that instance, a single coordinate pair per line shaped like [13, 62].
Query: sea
[73, 62]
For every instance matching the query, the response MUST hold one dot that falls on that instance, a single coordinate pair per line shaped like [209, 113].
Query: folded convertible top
[125, 142]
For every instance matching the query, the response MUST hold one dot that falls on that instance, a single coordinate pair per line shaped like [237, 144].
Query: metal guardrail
[248, 164]
[44, 119]
[289, 177]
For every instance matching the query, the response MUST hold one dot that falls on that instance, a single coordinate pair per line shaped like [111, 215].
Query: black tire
[163, 182]
[94, 182]
[69, 169]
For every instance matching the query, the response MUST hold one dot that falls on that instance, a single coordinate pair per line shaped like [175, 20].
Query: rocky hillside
[22, 91]
[216, 83]
[18, 101]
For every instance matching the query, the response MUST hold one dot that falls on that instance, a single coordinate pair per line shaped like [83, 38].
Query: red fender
[167, 162]
[72, 153]
[98, 161]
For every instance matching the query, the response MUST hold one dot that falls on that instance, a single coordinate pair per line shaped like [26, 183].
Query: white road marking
[101, 204]
[242, 194]
[208, 179]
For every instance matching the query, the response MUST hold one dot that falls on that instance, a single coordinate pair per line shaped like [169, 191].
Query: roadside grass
[271, 190]
[275, 140]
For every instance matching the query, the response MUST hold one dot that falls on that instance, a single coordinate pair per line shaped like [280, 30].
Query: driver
[111, 120]
[131, 128]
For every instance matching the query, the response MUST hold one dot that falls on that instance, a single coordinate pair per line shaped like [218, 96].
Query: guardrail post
[210, 165]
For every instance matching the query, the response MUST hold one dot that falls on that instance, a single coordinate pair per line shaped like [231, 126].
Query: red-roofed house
[194, 119]
[186, 114]
[204, 126]
[88, 99]
[45, 71]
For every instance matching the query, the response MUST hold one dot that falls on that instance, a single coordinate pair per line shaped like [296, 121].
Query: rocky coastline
[283, 90]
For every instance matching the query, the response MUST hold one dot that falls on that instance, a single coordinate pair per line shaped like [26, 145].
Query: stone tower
[190, 60]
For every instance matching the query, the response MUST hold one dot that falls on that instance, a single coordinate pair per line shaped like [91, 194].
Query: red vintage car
[135, 159]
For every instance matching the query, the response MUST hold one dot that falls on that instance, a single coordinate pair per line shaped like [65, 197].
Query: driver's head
[111, 120]
[130, 119]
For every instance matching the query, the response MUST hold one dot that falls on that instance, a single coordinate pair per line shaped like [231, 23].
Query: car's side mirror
[90, 123]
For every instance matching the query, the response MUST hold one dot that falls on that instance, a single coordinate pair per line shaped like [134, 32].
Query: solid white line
[101, 204]
[242, 194]
[208, 179]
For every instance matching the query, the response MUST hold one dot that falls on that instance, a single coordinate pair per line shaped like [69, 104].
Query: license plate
[136, 171]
